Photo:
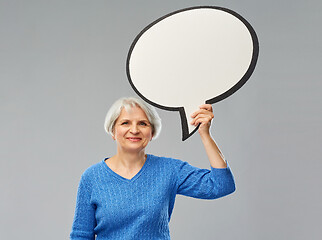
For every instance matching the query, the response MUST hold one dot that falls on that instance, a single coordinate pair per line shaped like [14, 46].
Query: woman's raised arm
[203, 117]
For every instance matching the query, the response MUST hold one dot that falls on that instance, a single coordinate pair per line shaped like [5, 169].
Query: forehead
[133, 113]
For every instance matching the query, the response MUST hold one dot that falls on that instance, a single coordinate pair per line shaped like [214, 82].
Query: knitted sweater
[109, 206]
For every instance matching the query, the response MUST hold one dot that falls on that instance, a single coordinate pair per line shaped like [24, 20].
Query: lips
[134, 139]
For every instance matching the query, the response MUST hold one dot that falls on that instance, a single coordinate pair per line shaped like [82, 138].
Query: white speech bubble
[192, 56]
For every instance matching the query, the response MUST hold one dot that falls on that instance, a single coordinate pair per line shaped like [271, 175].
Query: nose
[134, 129]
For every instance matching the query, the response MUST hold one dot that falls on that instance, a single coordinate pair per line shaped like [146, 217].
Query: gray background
[62, 63]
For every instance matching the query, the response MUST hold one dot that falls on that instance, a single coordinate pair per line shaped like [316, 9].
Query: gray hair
[128, 103]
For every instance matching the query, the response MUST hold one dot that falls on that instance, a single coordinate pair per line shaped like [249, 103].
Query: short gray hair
[127, 103]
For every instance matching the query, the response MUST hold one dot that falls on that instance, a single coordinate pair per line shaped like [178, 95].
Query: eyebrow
[143, 120]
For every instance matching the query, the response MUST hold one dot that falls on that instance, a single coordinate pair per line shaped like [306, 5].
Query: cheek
[117, 133]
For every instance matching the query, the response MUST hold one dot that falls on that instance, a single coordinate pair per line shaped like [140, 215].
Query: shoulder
[92, 171]
[167, 161]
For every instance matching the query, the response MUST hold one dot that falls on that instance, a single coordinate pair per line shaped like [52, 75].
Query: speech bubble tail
[187, 129]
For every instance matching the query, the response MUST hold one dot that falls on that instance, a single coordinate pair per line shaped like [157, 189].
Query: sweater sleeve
[84, 218]
[204, 183]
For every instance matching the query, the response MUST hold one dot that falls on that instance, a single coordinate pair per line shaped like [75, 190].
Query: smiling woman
[132, 131]
[131, 195]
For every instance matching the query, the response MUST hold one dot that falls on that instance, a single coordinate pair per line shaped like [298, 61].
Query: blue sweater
[112, 207]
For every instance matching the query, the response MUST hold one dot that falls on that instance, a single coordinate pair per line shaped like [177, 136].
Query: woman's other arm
[84, 218]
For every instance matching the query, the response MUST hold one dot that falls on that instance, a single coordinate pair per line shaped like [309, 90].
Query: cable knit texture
[109, 206]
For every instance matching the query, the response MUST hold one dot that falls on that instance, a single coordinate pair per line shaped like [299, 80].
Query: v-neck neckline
[123, 178]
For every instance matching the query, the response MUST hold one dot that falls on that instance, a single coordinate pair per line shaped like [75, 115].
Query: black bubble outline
[238, 85]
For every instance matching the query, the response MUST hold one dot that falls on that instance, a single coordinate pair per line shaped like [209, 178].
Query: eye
[124, 123]
[143, 124]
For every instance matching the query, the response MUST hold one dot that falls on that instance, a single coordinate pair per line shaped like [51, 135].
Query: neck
[130, 160]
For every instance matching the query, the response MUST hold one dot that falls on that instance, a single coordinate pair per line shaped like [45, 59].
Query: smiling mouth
[134, 139]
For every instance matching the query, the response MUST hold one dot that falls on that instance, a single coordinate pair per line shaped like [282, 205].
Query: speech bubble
[192, 56]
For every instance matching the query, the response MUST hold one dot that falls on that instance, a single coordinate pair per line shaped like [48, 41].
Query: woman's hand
[203, 117]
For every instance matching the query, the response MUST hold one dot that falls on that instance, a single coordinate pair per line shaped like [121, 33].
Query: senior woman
[131, 195]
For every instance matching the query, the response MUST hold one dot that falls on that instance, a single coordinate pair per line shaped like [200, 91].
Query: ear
[113, 134]
[152, 136]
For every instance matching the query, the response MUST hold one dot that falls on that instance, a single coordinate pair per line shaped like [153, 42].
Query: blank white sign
[190, 57]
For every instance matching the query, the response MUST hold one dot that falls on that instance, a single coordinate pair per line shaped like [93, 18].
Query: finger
[202, 118]
[201, 111]
[202, 123]
[207, 107]
[208, 116]
[204, 114]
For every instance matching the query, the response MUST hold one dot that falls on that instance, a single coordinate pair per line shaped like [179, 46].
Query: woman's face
[132, 130]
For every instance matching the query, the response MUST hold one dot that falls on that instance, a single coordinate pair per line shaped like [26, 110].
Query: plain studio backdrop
[62, 64]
